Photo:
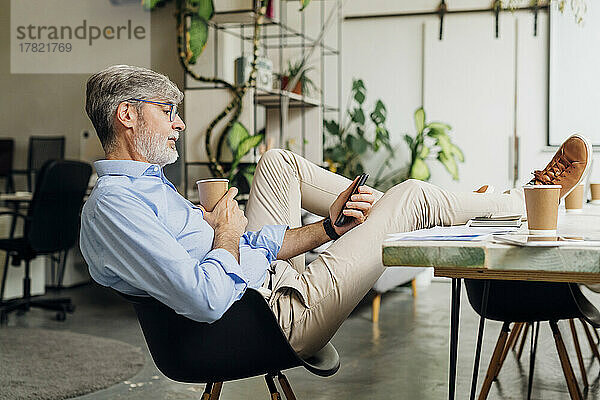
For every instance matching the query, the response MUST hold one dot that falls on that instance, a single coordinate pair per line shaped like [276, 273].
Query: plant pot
[297, 88]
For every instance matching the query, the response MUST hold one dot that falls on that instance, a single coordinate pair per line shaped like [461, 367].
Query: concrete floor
[405, 356]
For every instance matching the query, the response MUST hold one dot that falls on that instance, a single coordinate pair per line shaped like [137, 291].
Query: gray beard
[150, 146]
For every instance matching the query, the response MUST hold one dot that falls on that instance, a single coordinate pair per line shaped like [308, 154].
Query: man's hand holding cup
[226, 216]
[222, 213]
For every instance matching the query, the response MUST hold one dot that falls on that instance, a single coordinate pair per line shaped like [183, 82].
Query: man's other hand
[226, 217]
[358, 207]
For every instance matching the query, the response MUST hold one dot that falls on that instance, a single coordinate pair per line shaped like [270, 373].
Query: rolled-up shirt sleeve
[269, 239]
[140, 250]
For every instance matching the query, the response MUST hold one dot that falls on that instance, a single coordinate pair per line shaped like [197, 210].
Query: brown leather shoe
[568, 167]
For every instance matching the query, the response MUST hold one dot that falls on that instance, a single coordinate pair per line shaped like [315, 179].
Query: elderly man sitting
[141, 237]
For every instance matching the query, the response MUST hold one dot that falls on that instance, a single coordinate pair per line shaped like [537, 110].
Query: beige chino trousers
[311, 302]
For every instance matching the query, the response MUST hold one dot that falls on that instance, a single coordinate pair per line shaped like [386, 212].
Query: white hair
[113, 85]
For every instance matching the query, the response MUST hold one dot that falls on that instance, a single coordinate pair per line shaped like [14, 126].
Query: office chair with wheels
[51, 225]
[533, 302]
[246, 341]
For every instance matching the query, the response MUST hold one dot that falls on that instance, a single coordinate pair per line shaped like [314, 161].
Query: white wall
[467, 80]
[575, 87]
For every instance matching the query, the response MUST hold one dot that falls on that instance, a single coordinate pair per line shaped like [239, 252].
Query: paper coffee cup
[574, 201]
[595, 191]
[541, 202]
[211, 191]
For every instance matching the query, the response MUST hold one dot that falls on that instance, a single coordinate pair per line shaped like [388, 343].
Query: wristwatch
[329, 229]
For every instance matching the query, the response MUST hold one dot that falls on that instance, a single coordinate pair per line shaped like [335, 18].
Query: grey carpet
[49, 365]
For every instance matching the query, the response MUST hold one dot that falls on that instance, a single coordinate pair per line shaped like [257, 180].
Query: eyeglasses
[172, 110]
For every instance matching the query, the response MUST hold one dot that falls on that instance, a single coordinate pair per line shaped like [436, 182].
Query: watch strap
[329, 229]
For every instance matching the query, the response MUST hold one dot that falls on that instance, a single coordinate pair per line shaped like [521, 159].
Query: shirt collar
[131, 168]
[134, 169]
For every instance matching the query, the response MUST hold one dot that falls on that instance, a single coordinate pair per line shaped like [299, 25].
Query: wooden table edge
[515, 275]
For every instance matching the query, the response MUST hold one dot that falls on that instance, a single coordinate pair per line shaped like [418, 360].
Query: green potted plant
[304, 85]
[432, 141]
[349, 143]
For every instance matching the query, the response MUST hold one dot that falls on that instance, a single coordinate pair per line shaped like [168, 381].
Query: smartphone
[343, 219]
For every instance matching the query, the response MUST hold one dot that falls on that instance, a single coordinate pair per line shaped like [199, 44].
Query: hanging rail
[442, 10]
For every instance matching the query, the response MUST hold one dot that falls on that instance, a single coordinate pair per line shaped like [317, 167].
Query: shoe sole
[587, 164]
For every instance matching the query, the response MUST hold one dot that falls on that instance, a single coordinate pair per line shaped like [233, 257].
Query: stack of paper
[504, 221]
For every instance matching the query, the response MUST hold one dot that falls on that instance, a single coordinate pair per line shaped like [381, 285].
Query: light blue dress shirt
[141, 237]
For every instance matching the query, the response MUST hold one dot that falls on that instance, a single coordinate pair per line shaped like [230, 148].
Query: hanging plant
[199, 12]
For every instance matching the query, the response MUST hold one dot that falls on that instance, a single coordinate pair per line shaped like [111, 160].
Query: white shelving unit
[283, 37]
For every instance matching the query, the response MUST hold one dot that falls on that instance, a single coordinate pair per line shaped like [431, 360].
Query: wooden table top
[487, 260]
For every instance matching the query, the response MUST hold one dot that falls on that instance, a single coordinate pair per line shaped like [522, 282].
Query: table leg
[484, 300]
[454, 320]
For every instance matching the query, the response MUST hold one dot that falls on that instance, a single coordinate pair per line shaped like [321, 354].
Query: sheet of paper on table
[449, 233]
[543, 241]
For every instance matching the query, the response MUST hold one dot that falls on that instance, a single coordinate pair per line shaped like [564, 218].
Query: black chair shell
[42, 149]
[523, 301]
[247, 341]
[53, 215]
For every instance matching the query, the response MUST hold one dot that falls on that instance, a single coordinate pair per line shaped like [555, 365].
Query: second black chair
[246, 341]
[51, 225]
[520, 301]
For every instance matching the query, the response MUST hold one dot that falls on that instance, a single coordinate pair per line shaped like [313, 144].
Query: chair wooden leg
[523, 338]
[572, 385]
[590, 340]
[578, 351]
[512, 338]
[375, 310]
[286, 387]
[494, 362]
[272, 388]
[597, 337]
[207, 390]
[215, 393]
[518, 327]
[413, 286]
